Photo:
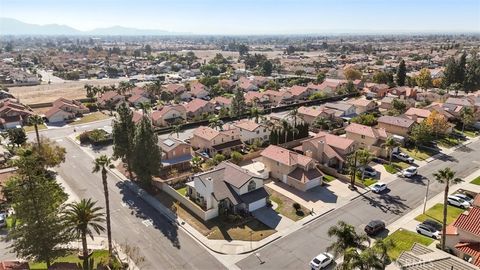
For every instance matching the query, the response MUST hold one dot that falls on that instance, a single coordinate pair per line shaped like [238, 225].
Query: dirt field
[47, 93]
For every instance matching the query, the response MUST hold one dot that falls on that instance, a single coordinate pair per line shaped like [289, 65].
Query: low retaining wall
[204, 215]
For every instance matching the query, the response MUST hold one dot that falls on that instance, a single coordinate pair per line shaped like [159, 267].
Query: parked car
[374, 227]
[455, 201]
[409, 172]
[369, 171]
[378, 187]
[321, 261]
[427, 230]
[434, 224]
[464, 197]
[403, 157]
[3, 220]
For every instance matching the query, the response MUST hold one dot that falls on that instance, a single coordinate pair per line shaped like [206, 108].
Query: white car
[426, 230]
[455, 201]
[378, 187]
[403, 157]
[464, 197]
[321, 261]
[369, 171]
[409, 172]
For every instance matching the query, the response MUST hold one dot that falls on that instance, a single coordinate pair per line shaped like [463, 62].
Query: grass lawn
[448, 141]
[367, 181]
[328, 178]
[404, 241]
[218, 228]
[182, 191]
[436, 212]
[32, 128]
[395, 167]
[468, 133]
[421, 154]
[91, 117]
[98, 256]
[476, 181]
[285, 206]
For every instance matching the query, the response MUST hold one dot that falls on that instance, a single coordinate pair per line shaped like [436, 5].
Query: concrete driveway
[272, 219]
[320, 198]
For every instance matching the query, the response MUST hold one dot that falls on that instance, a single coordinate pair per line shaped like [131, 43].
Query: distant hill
[9, 26]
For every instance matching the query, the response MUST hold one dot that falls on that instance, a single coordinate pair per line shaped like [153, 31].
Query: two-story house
[367, 137]
[292, 168]
[198, 90]
[13, 114]
[342, 109]
[363, 105]
[309, 114]
[396, 125]
[175, 153]
[251, 131]
[197, 107]
[213, 141]
[168, 115]
[227, 188]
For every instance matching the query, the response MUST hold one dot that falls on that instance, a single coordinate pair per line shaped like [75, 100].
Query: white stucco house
[227, 188]
[251, 131]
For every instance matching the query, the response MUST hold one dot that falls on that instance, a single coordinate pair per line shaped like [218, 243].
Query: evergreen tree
[37, 200]
[472, 74]
[123, 133]
[460, 70]
[238, 104]
[146, 153]
[401, 73]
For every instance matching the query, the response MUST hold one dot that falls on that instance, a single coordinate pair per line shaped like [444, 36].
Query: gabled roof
[469, 221]
[472, 249]
[297, 90]
[418, 112]
[378, 133]
[195, 105]
[160, 113]
[285, 156]
[335, 141]
[396, 121]
[247, 125]
[206, 133]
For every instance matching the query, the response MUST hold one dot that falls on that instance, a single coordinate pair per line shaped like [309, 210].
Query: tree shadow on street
[388, 203]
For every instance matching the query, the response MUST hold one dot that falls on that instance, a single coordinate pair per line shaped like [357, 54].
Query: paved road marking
[147, 222]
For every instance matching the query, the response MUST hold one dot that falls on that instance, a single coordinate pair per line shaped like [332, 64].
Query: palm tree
[321, 122]
[447, 177]
[293, 113]
[363, 157]
[101, 164]
[381, 247]
[287, 128]
[36, 120]
[215, 122]
[389, 145]
[84, 218]
[196, 163]
[176, 129]
[145, 107]
[255, 113]
[124, 87]
[347, 237]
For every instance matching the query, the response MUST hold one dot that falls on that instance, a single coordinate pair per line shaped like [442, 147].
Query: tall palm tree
[363, 157]
[215, 122]
[447, 177]
[287, 128]
[124, 87]
[255, 113]
[346, 237]
[293, 113]
[389, 145]
[84, 218]
[101, 164]
[145, 107]
[176, 129]
[36, 120]
[381, 247]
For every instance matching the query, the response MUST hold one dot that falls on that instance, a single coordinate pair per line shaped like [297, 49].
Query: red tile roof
[396, 121]
[371, 132]
[469, 221]
[285, 156]
[472, 249]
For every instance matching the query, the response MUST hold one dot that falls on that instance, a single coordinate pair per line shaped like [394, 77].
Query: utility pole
[426, 196]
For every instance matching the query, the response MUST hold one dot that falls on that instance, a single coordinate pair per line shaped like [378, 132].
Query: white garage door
[256, 205]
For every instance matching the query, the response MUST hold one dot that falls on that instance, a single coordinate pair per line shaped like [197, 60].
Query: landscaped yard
[285, 206]
[476, 181]
[436, 212]
[98, 256]
[395, 167]
[219, 228]
[420, 154]
[91, 117]
[468, 133]
[448, 141]
[404, 240]
[32, 128]
[328, 178]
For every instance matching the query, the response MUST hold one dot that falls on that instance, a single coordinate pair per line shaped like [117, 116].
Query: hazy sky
[253, 16]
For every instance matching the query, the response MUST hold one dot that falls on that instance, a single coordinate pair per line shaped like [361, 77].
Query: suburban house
[246, 84]
[342, 109]
[301, 92]
[367, 137]
[420, 257]
[13, 114]
[291, 168]
[387, 102]
[328, 149]
[396, 125]
[227, 188]
[404, 92]
[213, 141]
[455, 105]
[251, 131]
[198, 90]
[417, 114]
[110, 99]
[221, 102]
[64, 109]
[309, 114]
[279, 97]
[197, 107]
[168, 115]
[178, 90]
[363, 105]
[463, 235]
[136, 99]
[258, 99]
[175, 153]
[375, 90]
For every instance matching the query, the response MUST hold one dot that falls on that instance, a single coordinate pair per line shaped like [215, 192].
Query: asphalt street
[297, 249]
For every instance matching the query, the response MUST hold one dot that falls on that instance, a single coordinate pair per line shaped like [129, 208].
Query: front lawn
[91, 117]
[98, 256]
[420, 154]
[220, 228]
[367, 181]
[328, 178]
[32, 128]
[404, 240]
[436, 213]
[476, 181]
[448, 141]
[468, 133]
[395, 167]
[285, 206]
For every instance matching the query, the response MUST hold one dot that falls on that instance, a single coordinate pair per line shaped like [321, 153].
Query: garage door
[256, 205]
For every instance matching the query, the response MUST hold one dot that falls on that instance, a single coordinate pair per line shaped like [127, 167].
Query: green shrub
[297, 206]
[84, 138]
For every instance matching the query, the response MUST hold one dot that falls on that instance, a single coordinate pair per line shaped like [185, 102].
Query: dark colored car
[374, 227]
[433, 223]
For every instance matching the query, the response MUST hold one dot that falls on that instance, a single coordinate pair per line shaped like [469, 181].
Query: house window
[233, 137]
[258, 131]
[251, 186]
[363, 136]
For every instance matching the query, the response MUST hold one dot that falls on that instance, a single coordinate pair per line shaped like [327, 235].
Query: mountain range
[9, 26]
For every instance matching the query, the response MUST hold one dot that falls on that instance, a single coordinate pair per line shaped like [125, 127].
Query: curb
[257, 248]
[317, 217]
